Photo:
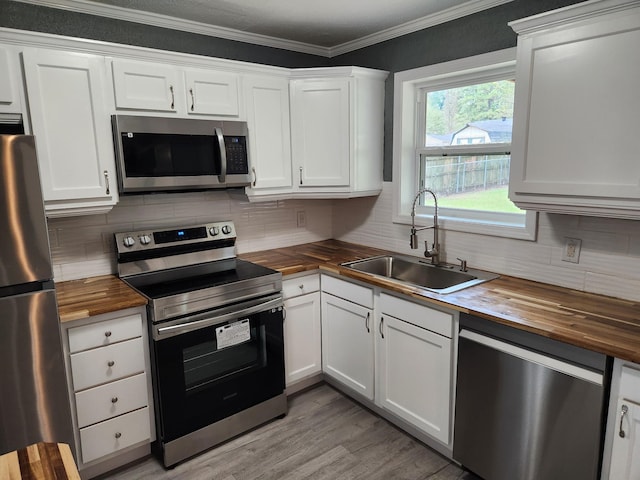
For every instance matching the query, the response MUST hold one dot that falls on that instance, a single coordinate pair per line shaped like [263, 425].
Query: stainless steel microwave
[158, 154]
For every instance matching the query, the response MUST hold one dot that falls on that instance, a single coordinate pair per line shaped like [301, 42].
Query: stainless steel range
[216, 334]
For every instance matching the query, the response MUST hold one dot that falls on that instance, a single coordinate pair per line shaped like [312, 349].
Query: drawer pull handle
[366, 322]
[172, 97]
[107, 333]
[114, 399]
[381, 326]
[118, 435]
[625, 410]
[111, 363]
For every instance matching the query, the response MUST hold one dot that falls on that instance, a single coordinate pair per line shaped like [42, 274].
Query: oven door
[216, 364]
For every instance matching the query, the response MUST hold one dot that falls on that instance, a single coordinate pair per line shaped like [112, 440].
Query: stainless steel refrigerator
[34, 403]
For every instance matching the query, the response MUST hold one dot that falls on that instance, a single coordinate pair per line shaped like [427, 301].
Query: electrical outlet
[301, 218]
[571, 251]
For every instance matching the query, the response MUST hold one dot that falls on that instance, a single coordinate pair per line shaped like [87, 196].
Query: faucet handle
[463, 264]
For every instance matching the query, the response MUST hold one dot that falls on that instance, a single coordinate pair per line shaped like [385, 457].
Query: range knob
[145, 239]
[213, 231]
[226, 229]
[129, 241]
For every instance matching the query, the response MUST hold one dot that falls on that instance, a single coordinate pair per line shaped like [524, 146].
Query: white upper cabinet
[73, 135]
[321, 132]
[267, 103]
[337, 131]
[211, 92]
[9, 74]
[147, 86]
[151, 86]
[575, 147]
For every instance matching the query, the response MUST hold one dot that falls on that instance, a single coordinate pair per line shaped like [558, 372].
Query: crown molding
[173, 23]
[164, 21]
[453, 13]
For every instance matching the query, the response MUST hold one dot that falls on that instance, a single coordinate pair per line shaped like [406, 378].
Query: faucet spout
[434, 251]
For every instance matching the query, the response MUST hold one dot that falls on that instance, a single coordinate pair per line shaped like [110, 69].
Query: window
[452, 135]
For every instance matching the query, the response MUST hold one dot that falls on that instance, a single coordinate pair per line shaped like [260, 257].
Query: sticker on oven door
[233, 333]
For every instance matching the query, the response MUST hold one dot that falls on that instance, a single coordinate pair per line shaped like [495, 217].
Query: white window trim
[406, 103]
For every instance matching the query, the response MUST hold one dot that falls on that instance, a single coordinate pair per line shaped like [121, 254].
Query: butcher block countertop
[94, 296]
[41, 461]
[604, 324]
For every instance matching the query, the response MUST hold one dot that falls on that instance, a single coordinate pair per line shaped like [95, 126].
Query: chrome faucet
[434, 251]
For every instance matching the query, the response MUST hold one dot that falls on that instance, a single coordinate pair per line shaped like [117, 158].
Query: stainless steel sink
[412, 271]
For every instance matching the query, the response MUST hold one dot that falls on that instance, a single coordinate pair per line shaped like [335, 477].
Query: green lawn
[495, 200]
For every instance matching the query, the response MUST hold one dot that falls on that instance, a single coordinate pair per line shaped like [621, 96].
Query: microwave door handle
[222, 178]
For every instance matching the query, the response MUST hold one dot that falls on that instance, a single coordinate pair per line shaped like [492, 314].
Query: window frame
[408, 125]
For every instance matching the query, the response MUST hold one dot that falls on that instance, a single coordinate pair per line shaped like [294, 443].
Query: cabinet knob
[114, 400]
[301, 286]
[118, 435]
[107, 333]
[111, 363]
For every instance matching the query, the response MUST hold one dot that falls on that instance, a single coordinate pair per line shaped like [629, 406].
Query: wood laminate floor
[325, 436]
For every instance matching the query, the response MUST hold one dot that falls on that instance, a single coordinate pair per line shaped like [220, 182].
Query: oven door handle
[189, 326]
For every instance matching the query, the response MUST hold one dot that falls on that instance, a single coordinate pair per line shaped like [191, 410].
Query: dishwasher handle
[531, 356]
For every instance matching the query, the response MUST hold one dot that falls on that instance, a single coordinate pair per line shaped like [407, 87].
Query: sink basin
[413, 271]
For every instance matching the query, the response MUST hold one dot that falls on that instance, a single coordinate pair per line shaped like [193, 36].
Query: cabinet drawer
[115, 434]
[106, 364]
[347, 290]
[104, 333]
[300, 286]
[110, 400]
[630, 384]
[418, 315]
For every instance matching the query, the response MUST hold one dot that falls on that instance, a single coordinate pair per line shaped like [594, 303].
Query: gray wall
[482, 32]
[30, 17]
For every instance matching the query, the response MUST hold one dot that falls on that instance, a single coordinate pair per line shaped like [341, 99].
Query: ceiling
[328, 27]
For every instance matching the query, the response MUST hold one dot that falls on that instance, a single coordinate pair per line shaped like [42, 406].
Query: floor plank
[325, 436]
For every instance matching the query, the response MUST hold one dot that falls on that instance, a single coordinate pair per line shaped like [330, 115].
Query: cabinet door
[625, 456]
[302, 341]
[72, 129]
[267, 101]
[147, 86]
[9, 98]
[576, 110]
[347, 344]
[211, 93]
[414, 375]
[320, 132]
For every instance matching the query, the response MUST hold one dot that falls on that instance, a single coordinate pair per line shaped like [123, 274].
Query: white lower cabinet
[347, 335]
[108, 366]
[396, 353]
[302, 338]
[113, 435]
[623, 430]
[415, 365]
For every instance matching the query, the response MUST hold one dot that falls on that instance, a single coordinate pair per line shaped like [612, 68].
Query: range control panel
[167, 237]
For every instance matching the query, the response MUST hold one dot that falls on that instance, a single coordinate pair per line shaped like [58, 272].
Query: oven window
[168, 155]
[230, 349]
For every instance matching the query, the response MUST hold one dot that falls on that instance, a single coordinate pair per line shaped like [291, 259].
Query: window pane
[481, 113]
[469, 182]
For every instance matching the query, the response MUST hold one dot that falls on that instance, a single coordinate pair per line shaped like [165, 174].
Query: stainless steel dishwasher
[528, 407]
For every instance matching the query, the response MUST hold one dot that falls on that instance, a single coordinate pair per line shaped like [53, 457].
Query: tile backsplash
[83, 246]
[609, 260]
